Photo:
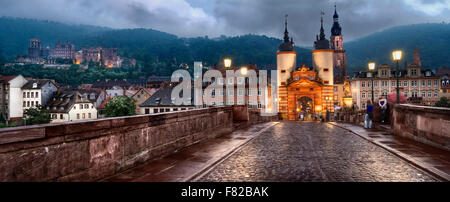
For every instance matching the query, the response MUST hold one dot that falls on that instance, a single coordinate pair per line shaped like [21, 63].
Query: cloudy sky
[190, 18]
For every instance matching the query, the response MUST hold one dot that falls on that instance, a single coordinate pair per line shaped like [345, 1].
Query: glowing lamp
[227, 62]
[371, 66]
[244, 70]
[397, 55]
[318, 108]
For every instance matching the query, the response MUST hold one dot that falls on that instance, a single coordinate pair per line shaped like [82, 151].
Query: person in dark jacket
[369, 114]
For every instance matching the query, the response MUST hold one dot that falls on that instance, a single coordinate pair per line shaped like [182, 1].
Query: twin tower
[329, 59]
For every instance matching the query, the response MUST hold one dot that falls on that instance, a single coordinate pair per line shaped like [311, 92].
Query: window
[28, 103]
[167, 109]
[24, 95]
[24, 104]
[221, 81]
[413, 72]
[406, 94]
[259, 91]
[231, 92]
[240, 80]
[436, 93]
[89, 115]
[363, 106]
[429, 82]
[363, 84]
[84, 116]
[61, 116]
[54, 116]
[86, 106]
[423, 93]
[231, 80]
[78, 116]
[155, 111]
[28, 94]
[423, 82]
[375, 83]
[81, 106]
[37, 94]
[435, 82]
[383, 72]
[405, 83]
[393, 83]
[429, 93]
[37, 103]
[325, 70]
[32, 94]
[240, 92]
[363, 95]
[147, 111]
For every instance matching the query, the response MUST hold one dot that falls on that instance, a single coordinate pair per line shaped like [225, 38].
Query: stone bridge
[92, 150]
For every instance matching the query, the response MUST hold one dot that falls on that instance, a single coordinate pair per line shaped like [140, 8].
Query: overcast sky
[190, 18]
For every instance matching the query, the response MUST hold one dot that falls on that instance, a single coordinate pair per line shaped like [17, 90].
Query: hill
[432, 39]
[146, 45]
[161, 53]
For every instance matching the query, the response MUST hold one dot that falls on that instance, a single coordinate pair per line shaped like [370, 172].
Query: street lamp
[371, 69]
[244, 70]
[227, 62]
[397, 56]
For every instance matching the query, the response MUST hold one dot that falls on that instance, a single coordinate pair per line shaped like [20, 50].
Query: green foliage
[160, 53]
[443, 102]
[3, 125]
[37, 115]
[120, 106]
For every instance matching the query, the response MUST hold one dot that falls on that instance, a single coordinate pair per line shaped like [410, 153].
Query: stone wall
[92, 150]
[430, 125]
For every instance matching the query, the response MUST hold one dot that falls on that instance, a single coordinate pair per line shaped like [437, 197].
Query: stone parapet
[92, 150]
[430, 125]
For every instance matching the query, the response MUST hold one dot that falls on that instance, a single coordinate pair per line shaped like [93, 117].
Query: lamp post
[397, 56]
[371, 69]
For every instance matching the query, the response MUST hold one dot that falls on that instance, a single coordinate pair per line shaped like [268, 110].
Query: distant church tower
[323, 57]
[286, 58]
[337, 44]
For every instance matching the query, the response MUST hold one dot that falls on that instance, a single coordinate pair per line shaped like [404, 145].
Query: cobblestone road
[292, 151]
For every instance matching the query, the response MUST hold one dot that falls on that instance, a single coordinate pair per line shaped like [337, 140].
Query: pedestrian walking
[369, 114]
[383, 108]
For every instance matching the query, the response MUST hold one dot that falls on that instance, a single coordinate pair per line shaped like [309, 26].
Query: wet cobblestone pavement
[317, 152]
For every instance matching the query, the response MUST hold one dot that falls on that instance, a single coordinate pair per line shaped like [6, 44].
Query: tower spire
[286, 33]
[288, 43]
[336, 29]
[322, 33]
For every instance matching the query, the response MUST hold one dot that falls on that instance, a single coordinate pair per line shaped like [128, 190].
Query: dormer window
[34, 85]
[428, 73]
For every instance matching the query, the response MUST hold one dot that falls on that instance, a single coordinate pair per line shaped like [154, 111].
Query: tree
[443, 102]
[120, 106]
[37, 115]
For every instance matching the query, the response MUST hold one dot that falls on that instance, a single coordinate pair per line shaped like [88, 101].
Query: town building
[37, 92]
[68, 105]
[444, 74]
[158, 81]
[161, 101]
[419, 85]
[63, 51]
[11, 97]
[109, 84]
